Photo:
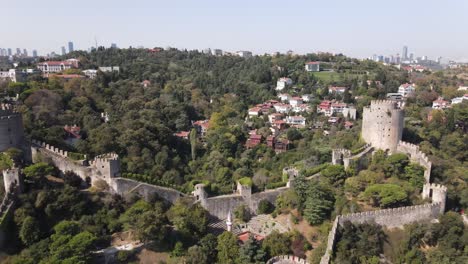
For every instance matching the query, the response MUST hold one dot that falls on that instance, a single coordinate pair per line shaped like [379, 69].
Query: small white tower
[229, 222]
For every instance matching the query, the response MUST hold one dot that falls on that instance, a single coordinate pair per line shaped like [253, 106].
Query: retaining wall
[124, 186]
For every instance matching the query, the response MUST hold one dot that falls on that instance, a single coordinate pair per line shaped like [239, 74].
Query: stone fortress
[382, 128]
[106, 168]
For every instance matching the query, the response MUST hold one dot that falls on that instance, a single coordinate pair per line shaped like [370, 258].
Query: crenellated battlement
[105, 158]
[50, 148]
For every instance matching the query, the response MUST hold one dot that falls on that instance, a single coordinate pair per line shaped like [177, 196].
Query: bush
[246, 181]
[274, 185]
[265, 207]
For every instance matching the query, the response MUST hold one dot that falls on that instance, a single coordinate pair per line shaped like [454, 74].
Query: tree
[335, 174]
[38, 170]
[30, 231]
[386, 195]
[395, 164]
[276, 244]
[196, 255]
[209, 244]
[319, 203]
[228, 250]
[251, 251]
[193, 143]
[242, 213]
[191, 220]
[265, 207]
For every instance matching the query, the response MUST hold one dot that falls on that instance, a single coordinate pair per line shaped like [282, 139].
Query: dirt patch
[146, 256]
[302, 226]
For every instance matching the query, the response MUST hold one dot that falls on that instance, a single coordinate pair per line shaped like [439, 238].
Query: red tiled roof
[182, 134]
[57, 63]
[245, 236]
[312, 62]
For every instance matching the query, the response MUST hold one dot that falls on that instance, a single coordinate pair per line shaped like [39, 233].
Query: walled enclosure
[382, 124]
[395, 217]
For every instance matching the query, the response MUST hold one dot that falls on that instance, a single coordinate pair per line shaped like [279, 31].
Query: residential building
[406, 89]
[217, 52]
[183, 134]
[283, 83]
[279, 145]
[244, 54]
[113, 45]
[110, 69]
[253, 141]
[301, 108]
[337, 108]
[145, 83]
[324, 107]
[57, 66]
[284, 97]
[336, 89]
[297, 121]
[255, 111]
[275, 117]
[312, 66]
[462, 88]
[394, 96]
[202, 127]
[295, 101]
[306, 97]
[282, 108]
[90, 73]
[13, 75]
[72, 134]
[458, 100]
[440, 103]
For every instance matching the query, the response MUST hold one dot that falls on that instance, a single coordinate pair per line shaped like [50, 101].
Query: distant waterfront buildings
[405, 53]
[34, 53]
[64, 51]
[244, 54]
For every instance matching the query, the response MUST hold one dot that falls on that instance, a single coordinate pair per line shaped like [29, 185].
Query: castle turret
[107, 165]
[382, 124]
[11, 180]
[11, 130]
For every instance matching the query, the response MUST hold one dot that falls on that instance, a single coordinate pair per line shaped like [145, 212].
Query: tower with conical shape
[229, 222]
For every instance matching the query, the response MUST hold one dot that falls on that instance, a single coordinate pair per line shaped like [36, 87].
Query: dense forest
[58, 222]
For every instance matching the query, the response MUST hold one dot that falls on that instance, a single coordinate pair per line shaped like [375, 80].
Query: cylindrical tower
[382, 124]
[11, 130]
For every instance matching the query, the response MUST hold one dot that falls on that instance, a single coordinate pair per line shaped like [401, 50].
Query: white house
[301, 108]
[110, 69]
[337, 108]
[406, 89]
[284, 97]
[57, 66]
[459, 100]
[462, 88]
[440, 103]
[283, 83]
[306, 97]
[90, 73]
[13, 75]
[295, 101]
[312, 66]
[244, 54]
[299, 121]
[282, 108]
[255, 111]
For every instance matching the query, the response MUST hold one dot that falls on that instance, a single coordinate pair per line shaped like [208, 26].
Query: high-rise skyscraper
[404, 55]
[25, 52]
[70, 46]
[18, 51]
[10, 52]
[34, 53]
[63, 51]
[113, 45]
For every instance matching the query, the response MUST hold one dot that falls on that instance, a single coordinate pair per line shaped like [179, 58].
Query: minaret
[229, 222]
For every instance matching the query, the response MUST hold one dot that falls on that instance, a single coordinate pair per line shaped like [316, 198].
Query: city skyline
[355, 29]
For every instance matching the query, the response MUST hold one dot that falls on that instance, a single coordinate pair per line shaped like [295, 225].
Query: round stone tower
[382, 124]
[11, 130]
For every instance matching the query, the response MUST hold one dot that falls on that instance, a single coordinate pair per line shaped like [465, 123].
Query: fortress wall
[60, 160]
[416, 156]
[269, 195]
[11, 130]
[124, 186]
[330, 242]
[220, 206]
[395, 217]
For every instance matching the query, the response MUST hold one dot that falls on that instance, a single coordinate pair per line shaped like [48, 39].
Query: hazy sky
[357, 28]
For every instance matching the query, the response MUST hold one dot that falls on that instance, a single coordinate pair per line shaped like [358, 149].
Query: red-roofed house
[57, 66]
[146, 83]
[348, 125]
[243, 237]
[253, 141]
[312, 66]
[255, 111]
[406, 89]
[440, 103]
[201, 126]
[324, 107]
[183, 134]
[336, 89]
[73, 134]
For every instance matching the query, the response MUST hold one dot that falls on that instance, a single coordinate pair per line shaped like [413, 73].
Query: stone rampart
[123, 186]
[395, 217]
[330, 242]
[11, 130]
[417, 156]
[289, 259]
